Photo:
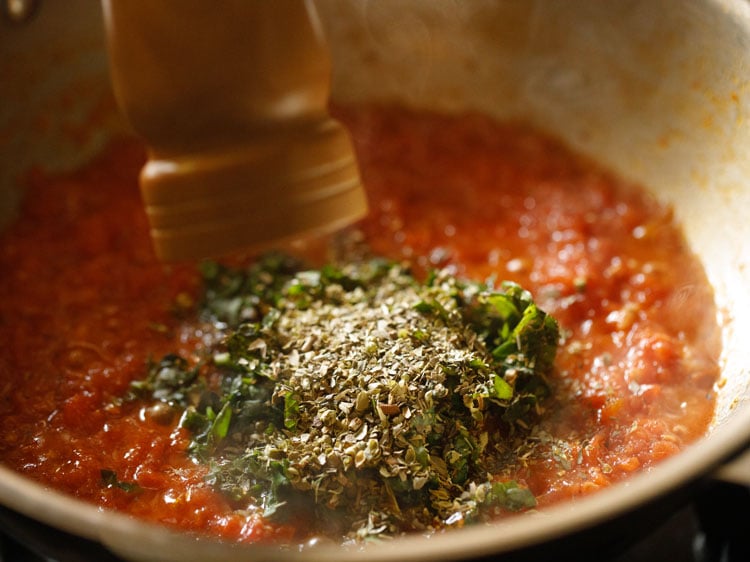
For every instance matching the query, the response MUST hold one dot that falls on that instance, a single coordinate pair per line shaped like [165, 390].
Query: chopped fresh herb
[510, 496]
[373, 394]
[110, 480]
[170, 380]
[220, 424]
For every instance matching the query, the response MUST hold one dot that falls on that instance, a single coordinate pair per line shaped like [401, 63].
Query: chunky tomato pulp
[85, 305]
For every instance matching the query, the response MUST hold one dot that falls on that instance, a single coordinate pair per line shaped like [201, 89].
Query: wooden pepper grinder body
[231, 100]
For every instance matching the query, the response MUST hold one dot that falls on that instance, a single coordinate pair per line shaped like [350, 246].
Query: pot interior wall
[56, 110]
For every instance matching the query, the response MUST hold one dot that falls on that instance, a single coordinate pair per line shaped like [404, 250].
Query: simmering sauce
[86, 305]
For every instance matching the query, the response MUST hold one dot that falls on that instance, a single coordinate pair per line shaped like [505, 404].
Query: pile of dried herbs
[379, 397]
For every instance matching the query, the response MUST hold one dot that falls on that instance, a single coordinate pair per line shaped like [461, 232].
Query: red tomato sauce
[86, 304]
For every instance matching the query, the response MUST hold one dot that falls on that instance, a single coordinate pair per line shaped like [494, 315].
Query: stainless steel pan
[656, 90]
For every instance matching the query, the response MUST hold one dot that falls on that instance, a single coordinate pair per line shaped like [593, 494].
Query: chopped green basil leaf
[110, 480]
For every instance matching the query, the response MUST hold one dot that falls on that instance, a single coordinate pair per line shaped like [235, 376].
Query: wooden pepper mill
[231, 99]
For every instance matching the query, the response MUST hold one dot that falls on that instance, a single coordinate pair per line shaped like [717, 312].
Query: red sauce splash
[86, 305]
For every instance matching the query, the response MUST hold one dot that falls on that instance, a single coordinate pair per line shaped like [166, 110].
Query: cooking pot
[655, 90]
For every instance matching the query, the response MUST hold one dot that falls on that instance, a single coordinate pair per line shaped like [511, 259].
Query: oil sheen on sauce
[86, 304]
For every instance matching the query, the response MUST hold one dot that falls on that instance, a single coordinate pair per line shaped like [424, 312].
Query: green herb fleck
[110, 480]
